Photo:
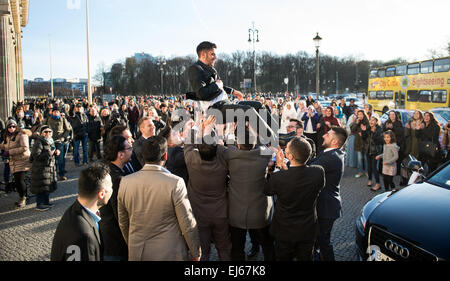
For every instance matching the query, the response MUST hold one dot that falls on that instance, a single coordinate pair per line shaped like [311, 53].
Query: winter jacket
[95, 126]
[79, 125]
[374, 141]
[19, 152]
[62, 130]
[43, 170]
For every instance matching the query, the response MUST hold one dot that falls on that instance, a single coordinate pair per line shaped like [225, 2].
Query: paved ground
[26, 234]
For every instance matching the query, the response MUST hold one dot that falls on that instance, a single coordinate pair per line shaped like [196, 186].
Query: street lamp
[317, 40]
[252, 39]
[161, 63]
[88, 55]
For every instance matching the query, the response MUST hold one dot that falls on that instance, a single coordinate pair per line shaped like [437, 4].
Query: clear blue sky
[365, 29]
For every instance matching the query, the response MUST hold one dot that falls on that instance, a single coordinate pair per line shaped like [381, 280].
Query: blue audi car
[412, 224]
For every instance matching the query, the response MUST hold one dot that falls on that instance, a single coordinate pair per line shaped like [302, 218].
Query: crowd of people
[153, 193]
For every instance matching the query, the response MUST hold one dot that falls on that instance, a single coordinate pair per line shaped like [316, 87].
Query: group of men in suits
[147, 213]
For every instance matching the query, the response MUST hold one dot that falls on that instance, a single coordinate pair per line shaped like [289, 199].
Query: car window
[441, 178]
[444, 113]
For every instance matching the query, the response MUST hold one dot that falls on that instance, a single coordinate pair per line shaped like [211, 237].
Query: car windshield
[441, 178]
[444, 113]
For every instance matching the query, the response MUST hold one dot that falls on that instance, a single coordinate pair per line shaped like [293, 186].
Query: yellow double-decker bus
[419, 85]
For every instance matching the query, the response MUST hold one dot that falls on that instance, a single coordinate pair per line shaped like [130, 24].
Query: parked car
[405, 115]
[411, 224]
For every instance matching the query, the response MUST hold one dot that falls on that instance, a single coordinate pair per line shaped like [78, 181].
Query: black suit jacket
[135, 164]
[77, 233]
[329, 203]
[114, 243]
[202, 82]
[297, 189]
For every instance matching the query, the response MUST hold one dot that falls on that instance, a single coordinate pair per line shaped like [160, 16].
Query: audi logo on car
[397, 249]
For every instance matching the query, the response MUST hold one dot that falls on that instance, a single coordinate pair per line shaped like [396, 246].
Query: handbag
[428, 149]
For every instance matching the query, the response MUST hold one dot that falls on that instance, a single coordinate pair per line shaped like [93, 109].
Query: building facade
[14, 16]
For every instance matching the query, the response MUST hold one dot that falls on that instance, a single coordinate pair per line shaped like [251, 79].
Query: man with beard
[329, 203]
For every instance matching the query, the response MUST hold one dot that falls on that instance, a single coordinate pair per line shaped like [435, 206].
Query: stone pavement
[27, 234]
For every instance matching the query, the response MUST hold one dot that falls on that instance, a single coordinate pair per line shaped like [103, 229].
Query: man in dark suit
[77, 237]
[117, 152]
[133, 165]
[329, 203]
[147, 129]
[133, 117]
[294, 224]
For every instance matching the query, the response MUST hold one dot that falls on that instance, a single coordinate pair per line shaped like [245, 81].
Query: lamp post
[161, 63]
[253, 39]
[89, 91]
[317, 40]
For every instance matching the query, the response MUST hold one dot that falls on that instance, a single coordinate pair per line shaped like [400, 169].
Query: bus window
[426, 67]
[372, 95]
[442, 65]
[373, 73]
[413, 95]
[413, 68]
[425, 96]
[390, 72]
[381, 73]
[401, 70]
[439, 96]
[389, 95]
[380, 95]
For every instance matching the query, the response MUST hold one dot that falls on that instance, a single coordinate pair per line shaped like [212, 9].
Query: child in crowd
[390, 156]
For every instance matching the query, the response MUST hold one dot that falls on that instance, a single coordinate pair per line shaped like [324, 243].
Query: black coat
[77, 232]
[114, 243]
[95, 125]
[374, 141]
[202, 82]
[79, 125]
[297, 190]
[43, 169]
[175, 163]
[329, 202]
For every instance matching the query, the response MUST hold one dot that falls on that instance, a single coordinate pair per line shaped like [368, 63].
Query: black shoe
[253, 251]
[43, 208]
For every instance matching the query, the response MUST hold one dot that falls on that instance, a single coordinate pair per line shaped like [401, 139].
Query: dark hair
[248, 141]
[391, 134]
[433, 119]
[207, 151]
[300, 149]
[341, 135]
[154, 149]
[298, 123]
[205, 46]
[90, 180]
[117, 131]
[114, 146]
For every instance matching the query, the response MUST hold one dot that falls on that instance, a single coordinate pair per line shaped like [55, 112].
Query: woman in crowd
[373, 136]
[302, 109]
[413, 128]
[446, 141]
[16, 146]
[351, 159]
[43, 170]
[340, 116]
[327, 121]
[310, 120]
[289, 113]
[318, 107]
[356, 129]
[429, 135]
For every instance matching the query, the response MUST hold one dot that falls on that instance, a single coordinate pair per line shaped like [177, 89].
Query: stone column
[5, 107]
